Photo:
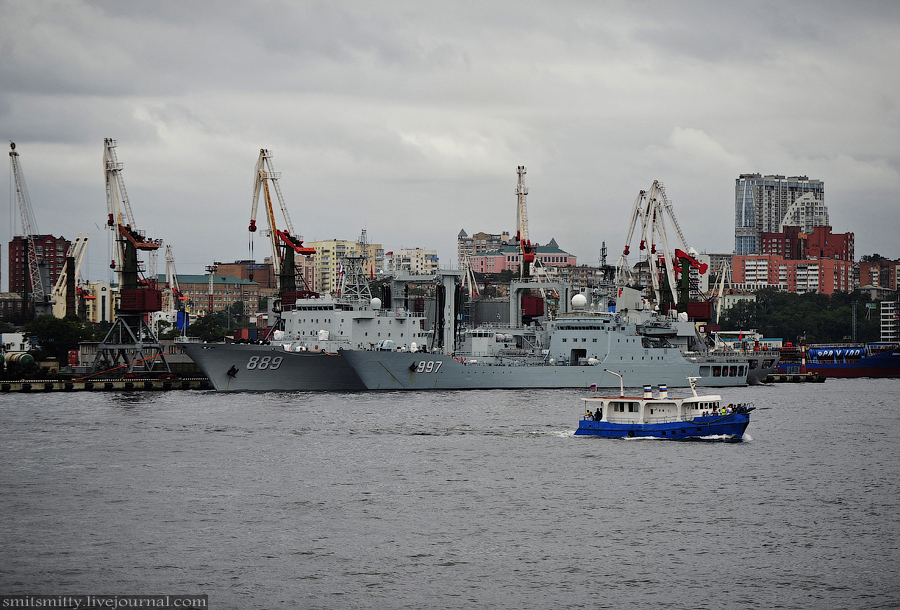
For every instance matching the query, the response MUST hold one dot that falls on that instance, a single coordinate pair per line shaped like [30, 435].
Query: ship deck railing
[635, 421]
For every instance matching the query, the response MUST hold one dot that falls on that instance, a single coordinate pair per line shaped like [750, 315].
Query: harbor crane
[173, 300]
[172, 296]
[35, 279]
[723, 273]
[130, 347]
[469, 282]
[285, 243]
[525, 246]
[67, 291]
[648, 212]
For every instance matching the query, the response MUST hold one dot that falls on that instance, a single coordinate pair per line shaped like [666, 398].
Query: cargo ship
[842, 360]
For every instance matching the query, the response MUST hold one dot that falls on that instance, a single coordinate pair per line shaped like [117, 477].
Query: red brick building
[821, 243]
[882, 273]
[788, 245]
[51, 250]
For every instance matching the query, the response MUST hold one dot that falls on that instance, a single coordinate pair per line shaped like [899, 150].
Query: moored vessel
[842, 361]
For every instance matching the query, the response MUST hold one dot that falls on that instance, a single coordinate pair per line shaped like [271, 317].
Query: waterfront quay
[101, 385]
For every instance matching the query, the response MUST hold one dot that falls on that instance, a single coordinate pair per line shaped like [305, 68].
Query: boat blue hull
[730, 426]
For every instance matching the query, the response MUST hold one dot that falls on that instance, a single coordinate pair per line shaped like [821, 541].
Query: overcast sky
[408, 119]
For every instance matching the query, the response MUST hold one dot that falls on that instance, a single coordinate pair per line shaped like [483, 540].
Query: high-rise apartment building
[479, 243]
[51, 254]
[411, 260]
[329, 261]
[766, 204]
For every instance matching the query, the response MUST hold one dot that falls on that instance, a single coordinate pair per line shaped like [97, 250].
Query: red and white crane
[172, 295]
[130, 346]
[649, 211]
[525, 247]
[121, 219]
[265, 174]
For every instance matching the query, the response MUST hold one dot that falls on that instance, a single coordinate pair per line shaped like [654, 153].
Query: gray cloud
[409, 119]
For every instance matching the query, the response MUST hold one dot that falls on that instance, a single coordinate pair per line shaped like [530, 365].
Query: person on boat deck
[587, 414]
[597, 415]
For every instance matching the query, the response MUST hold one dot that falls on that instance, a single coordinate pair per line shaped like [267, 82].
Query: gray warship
[353, 342]
[571, 350]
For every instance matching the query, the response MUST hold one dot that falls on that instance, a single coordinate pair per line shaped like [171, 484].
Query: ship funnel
[663, 391]
[648, 392]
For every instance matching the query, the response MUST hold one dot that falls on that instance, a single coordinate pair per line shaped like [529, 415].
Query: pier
[105, 385]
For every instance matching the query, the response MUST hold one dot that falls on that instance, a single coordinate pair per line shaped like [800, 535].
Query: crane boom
[172, 295]
[115, 186]
[265, 174]
[29, 227]
[117, 200]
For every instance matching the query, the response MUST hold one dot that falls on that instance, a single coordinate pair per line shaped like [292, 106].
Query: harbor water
[472, 499]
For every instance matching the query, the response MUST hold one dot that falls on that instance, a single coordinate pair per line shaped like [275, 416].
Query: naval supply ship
[570, 351]
[356, 344]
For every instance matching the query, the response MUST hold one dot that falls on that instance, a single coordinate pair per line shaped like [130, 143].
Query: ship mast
[525, 247]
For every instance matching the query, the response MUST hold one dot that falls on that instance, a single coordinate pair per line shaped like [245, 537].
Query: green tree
[871, 258]
[819, 318]
[56, 337]
[208, 328]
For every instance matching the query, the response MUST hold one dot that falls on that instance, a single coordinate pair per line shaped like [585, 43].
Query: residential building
[102, 308]
[262, 273]
[890, 321]
[794, 244]
[509, 257]
[51, 253]
[882, 273]
[755, 271]
[411, 260]
[11, 305]
[479, 244]
[226, 291]
[730, 298]
[766, 204]
[786, 244]
[589, 277]
[328, 262]
[822, 243]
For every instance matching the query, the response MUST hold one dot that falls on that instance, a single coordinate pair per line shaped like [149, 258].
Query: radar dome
[579, 301]
[376, 303]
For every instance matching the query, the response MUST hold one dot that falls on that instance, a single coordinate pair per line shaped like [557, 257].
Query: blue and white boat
[692, 418]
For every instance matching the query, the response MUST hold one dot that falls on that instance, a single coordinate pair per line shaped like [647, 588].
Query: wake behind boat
[692, 418]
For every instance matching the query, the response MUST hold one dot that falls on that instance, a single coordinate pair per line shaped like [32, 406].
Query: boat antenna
[693, 382]
[621, 382]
